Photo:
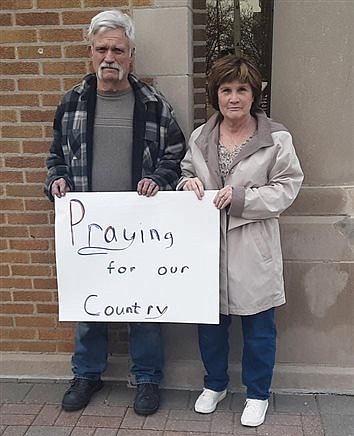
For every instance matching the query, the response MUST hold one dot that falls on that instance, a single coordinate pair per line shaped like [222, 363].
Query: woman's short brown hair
[230, 68]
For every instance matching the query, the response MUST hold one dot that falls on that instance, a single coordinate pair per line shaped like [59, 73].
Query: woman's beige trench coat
[266, 177]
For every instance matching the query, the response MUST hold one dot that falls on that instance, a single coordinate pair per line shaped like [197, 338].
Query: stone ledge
[43, 366]
[182, 374]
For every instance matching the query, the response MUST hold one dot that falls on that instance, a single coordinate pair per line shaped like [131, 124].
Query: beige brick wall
[199, 64]
[39, 63]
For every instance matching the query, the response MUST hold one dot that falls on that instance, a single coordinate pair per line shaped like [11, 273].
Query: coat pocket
[263, 240]
[235, 221]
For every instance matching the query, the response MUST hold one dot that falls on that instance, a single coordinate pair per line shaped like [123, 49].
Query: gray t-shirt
[112, 141]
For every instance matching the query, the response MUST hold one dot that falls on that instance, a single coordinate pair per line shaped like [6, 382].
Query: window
[244, 27]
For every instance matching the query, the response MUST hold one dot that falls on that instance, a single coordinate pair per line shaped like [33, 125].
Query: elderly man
[114, 133]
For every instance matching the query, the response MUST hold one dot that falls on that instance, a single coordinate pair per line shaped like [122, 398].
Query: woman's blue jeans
[258, 358]
[146, 348]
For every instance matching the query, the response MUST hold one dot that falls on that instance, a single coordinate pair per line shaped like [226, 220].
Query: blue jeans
[146, 348]
[258, 358]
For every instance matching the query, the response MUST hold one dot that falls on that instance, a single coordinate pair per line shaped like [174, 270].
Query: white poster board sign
[125, 257]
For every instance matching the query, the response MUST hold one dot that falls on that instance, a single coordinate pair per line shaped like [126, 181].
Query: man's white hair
[113, 19]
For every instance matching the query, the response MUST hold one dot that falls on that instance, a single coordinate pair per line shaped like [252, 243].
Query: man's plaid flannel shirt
[158, 142]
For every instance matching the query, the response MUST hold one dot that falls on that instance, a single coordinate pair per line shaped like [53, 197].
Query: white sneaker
[254, 412]
[208, 400]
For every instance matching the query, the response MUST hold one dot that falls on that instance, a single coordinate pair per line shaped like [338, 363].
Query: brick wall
[199, 64]
[43, 54]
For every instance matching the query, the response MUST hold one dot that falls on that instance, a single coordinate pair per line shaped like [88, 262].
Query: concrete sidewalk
[33, 409]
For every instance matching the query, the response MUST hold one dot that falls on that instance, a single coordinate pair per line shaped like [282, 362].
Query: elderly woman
[251, 161]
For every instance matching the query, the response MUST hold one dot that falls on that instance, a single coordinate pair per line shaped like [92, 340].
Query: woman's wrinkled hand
[194, 184]
[224, 197]
[59, 188]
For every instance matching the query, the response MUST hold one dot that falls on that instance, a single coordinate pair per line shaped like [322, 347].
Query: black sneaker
[147, 399]
[79, 394]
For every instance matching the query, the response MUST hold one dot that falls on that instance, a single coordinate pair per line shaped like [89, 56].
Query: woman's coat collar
[208, 141]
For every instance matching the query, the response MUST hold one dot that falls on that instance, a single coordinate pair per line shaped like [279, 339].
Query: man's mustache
[114, 65]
